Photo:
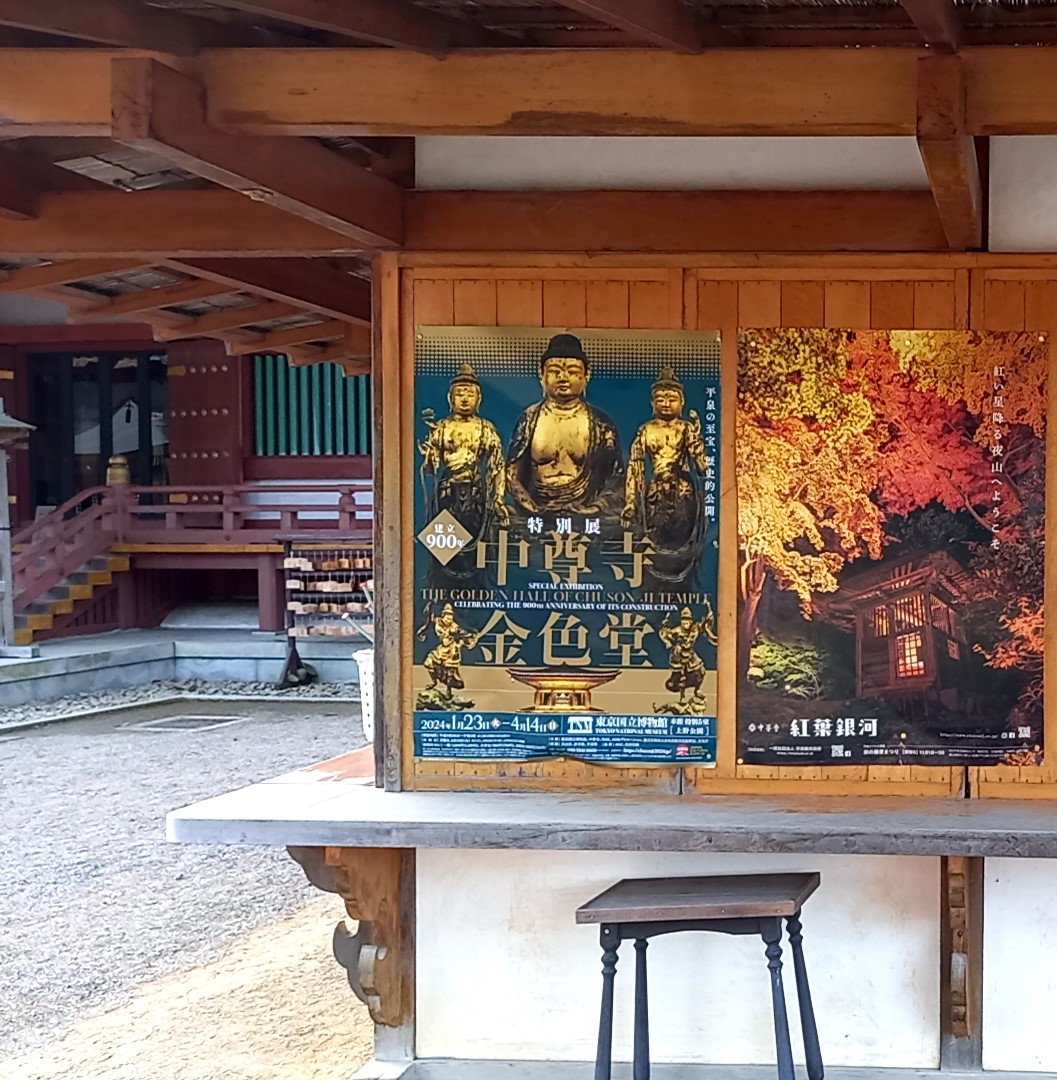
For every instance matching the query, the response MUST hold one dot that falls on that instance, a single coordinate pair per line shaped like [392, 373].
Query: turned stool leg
[641, 1067]
[604, 1056]
[771, 931]
[812, 1051]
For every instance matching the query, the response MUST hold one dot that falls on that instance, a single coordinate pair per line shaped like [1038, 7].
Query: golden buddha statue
[564, 453]
[662, 493]
[463, 457]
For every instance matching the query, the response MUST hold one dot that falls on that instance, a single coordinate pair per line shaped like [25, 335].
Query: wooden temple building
[908, 617]
[222, 221]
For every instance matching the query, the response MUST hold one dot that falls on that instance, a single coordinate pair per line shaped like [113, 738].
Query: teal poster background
[566, 554]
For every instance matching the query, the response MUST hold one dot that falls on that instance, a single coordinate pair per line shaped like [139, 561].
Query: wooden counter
[333, 804]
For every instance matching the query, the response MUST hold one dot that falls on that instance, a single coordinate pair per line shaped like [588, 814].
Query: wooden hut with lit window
[908, 620]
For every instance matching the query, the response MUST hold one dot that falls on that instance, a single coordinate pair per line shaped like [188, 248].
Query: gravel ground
[94, 902]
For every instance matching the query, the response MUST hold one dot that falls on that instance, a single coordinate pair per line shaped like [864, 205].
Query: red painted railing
[91, 523]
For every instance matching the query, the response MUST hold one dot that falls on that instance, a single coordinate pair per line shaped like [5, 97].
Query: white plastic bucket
[365, 662]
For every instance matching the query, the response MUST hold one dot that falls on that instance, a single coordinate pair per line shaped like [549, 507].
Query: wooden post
[961, 960]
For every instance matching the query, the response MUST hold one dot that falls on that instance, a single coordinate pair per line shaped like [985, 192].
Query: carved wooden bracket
[377, 885]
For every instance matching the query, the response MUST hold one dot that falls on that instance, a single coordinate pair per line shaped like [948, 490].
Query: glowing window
[941, 615]
[879, 625]
[910, 659]
[908, 612]
[954, 649]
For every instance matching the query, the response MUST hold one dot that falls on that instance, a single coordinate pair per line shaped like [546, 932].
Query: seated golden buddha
[564, 453]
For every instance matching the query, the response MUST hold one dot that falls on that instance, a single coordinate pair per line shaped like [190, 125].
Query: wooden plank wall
[933, 296]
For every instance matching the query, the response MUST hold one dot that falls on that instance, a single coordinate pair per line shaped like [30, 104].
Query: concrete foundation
[566, 1070]
[116, 661]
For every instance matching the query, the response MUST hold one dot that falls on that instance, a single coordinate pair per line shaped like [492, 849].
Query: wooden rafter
[356, 364]
[281, 340]
[667, 23]
[28, 278]
[152, 224]
[230, 318]
[25, 179]
[937, 22]
[160, 110]
[948, 150]
[297, 281]
[150, 300]
[382, 22]
[125, 23]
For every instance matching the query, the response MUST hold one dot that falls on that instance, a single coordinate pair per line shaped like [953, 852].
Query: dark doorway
[87, 407]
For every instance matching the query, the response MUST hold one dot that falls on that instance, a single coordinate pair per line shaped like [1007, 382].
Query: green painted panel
[269, 405]
[258, 405]
[282, 413]
[341, 414]
[316, 409]
[305, 390]
[292, 417]
[327, 376]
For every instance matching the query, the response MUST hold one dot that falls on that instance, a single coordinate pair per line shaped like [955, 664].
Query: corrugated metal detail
[316, 409]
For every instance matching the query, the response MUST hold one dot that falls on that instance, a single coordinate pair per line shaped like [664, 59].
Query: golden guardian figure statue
[443, 663]
[663, 496]
[687, 666]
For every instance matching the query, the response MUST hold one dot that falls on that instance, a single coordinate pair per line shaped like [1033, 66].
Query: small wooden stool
[742, 904]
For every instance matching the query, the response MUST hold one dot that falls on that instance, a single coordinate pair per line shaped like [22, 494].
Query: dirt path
[274, 1006]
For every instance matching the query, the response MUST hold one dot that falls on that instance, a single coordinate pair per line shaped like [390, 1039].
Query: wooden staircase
[76, 589]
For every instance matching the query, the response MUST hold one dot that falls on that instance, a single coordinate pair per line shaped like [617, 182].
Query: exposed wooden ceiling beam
[398, 23]
[151, 300]
[159, 110]
[124, 23]
[611, 221]
[734, 92]
[357, 92]
[669, 24]
[151, 225]
[191, 225]
[230, 318]
[297, 281]
[281, 340]
[948, 150]
[28, 278]
[937, 22]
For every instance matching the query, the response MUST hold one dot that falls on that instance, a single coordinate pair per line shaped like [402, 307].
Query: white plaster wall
[311, 495]
[18, 309]
[539, 162]
[1020, 964]
[1023, 181]
[504, 972]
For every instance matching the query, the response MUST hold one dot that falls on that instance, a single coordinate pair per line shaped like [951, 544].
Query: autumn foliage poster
[891, 491]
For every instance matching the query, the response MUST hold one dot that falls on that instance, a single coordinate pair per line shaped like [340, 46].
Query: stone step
[61, 598]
